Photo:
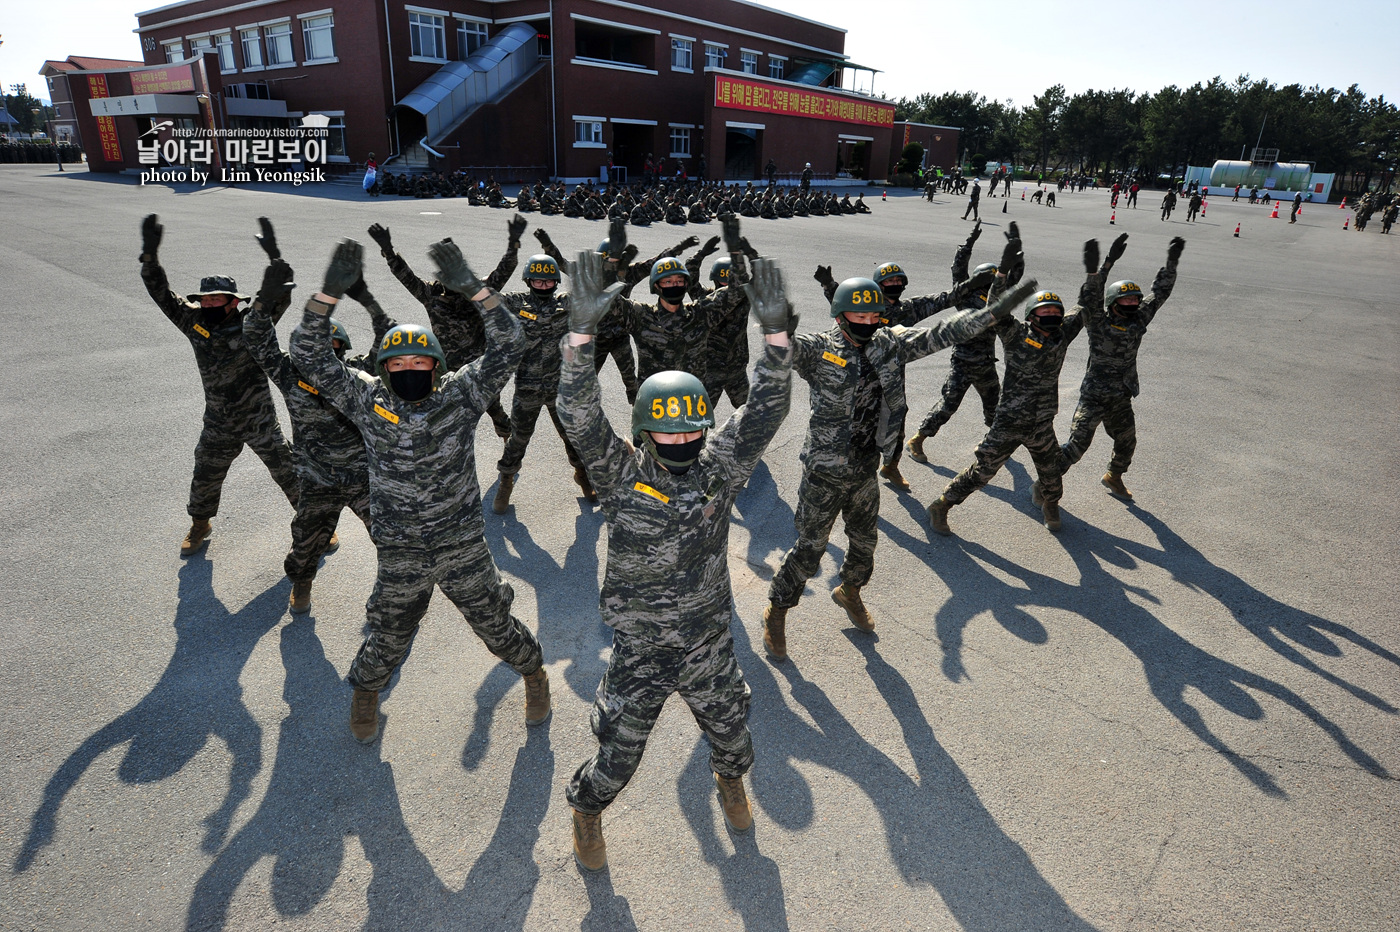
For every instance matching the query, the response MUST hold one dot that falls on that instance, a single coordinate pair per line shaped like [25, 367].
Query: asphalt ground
[1179, 713]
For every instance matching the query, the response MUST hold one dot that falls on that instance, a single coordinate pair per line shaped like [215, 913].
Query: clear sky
[1008, 49]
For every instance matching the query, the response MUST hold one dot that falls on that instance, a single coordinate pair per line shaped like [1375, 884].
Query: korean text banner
[741, 94]
[163, 80]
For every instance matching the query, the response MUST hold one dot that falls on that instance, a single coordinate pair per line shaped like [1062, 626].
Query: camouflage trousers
[468, 576]
[218, 447]
[960, 379]
[620, 349]
[996, 448]
[727, 379]
[820, 498]
[499, 419]
[318, 513]
[1115, 412]
[639, 678]
[524, 412]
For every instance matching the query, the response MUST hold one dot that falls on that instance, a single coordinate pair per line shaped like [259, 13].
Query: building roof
[84, 63]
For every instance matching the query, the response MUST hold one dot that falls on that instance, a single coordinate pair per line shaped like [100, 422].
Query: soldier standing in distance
[851, 370]
[973, 197]
[237, 402]
[666, 592]
[806, 183]
[419, 426]
[1111, 379]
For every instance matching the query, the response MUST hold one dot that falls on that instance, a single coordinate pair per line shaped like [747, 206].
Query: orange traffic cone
[1346, 224]
[1204, 205]
[1113, 218]
[1237, 231]
[1343, 204]
[1274, 215]
[1023, 194]
[884, 195]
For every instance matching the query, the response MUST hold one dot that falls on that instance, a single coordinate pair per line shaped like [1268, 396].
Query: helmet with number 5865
[672, 402]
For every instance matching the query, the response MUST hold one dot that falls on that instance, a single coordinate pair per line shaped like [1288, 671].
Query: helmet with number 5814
[410, 340]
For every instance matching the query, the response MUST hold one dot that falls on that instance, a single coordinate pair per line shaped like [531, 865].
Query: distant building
[64, 127]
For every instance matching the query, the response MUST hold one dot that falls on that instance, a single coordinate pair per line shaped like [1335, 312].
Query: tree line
[1107, 133]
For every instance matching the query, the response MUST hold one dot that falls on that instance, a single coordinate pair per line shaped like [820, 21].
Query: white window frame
[270, 42]
[223, 44]
[680, 134]
[777, 63]
[434, 21]
[200, 43]
[247, 34]
[682, 54]
[313, 24]
[748, 61]
[174, 50]
[337, 123]
[593, 132]
[470, 25]
[715, 54]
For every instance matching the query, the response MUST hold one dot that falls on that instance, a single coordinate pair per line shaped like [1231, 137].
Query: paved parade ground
[1182, 713]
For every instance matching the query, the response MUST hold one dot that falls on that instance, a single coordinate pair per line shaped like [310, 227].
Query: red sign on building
[744, 94]
[163, 80]
[106, 126]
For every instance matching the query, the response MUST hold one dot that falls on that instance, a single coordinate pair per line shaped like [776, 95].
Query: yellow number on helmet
[658, 410]
[700, 406]
[673, 406]
[398, 338]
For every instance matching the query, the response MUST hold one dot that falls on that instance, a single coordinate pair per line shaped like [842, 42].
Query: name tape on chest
[648, 490]
[528, 316]
[833, 358]
[385, 413]
[201, 331]
[1035, 344]
[309, 388]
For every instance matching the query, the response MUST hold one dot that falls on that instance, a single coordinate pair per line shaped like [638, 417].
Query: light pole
[54, 142]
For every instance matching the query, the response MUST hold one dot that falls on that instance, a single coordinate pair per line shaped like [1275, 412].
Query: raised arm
[962, 259]
[911, 343]
[549, 249]
[259, 325]
[420, 289]
[1164, 283]
[311, 349]
[511, 258]
[505, 339]
[153, 276]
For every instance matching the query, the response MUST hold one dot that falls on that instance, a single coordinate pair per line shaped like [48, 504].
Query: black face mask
[673, 294]
[679, 457]
[859, 333]
[411, 384]
[213, 317]
[1125, 311]
[339, 350]
[544, 293]
[892, 291]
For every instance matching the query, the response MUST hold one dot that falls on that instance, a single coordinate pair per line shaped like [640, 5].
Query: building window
[681, 52]
[748, 62]
[680, 143]
[201, 44]
[335, 140]
[252, 48]
[427, 36]
[775, 67]
[174, 51]
[470, 37]
[588, 133]
[223, 44]
[317, 36]
[279, 44]
[714, 55]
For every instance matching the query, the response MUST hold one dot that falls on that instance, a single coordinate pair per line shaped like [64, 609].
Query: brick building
[528, 87]
[64, 127]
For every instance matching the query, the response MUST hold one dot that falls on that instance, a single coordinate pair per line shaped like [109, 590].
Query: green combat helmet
[857, 296]
[542, 267]
[722, 272]
[890, 270]
[1120, 289]
[1044, 299]
[410, 340]
[665, 267]
[338, 333]
[671, 402]
[980, 300]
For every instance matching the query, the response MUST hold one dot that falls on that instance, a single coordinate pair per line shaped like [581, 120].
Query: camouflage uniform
[727, 349]
[425, 504]
[1030, 399]
[329, 452]
[1111, 379]
[666, 592]
[544, 321]
[846, 435]
[454, 318]
[237, 402]
[679, 339]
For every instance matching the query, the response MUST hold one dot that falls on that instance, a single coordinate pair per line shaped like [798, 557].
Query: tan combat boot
[537, 707]
[581, 477]
[300, 600]
[332, 545]
[503, 490]
[775, 631]
[735, 802]
[197, 537]
[895, 477]
[1113, 481]
[938, 516]
[916, 448]
[848, 597]
[364, 715]
[590, 850]
[1049, 510]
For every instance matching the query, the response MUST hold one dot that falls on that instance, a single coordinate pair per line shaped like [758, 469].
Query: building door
[740, 153]
[631, 145]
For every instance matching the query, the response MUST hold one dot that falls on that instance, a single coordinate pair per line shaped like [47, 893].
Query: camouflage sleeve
[1091, 292]
[913, 343]
[961, 259]
[722, 301]
[171, 305]
[553, 252]
[1074, 323]
[805, 354]
[313, 355]
[505, 344]
[629, 312]
[743, 438]
[1162, 287]
[261, 335]
[640, 270]
[580, 408]
[672, 252]
[505, 268]
[739, 274]
[928, 305]
[420, 289]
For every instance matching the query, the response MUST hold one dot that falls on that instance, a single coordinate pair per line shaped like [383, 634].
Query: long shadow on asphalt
[325, 787]
[767, 517]
[1171, 664]
[197, 697]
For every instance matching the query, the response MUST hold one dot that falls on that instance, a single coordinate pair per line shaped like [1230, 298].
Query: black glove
[628, 255]
[268, 239]
[515, 227]
[1091, 256]
[1120, 246]
[749, 252]
[767, 297]
[823, 276]
[1010, 255]
[544, 239]
[589, 300]
[729, 226]
[1013, 230]
[1002, 307]
[617, 238]
[1174, 250]
[976, 232]
[380, 234]
[347, 264]
[358, 291]
[277, 282]
[151, 232]
[711, 246]
[453, 270]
